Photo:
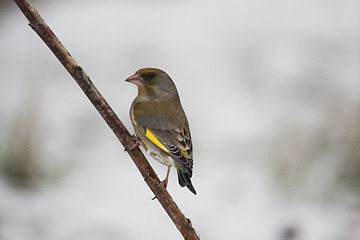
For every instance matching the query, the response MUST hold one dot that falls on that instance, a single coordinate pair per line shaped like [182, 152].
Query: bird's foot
[138, 143]
[164, 182]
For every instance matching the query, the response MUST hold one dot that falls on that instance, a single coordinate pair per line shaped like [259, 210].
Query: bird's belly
[166, 160]
[153, 150]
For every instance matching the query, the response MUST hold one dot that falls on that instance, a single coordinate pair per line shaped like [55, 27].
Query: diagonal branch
[182, 223]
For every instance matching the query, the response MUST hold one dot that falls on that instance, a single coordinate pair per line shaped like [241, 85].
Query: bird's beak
[136, 79]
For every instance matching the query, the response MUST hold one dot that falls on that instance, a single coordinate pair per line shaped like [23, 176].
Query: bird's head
[153, 83]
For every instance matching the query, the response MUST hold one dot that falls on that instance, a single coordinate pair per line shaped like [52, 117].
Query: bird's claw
[163, 183]
[138, 143]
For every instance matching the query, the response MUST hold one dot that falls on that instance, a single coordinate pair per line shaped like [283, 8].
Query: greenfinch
[160, 123]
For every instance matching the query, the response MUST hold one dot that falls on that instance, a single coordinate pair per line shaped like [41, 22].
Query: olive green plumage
[160, 122]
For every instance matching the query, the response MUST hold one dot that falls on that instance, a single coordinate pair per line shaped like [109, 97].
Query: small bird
[160, 123]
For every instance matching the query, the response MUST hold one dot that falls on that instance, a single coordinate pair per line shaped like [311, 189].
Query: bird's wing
[178, 143]
[171, 135]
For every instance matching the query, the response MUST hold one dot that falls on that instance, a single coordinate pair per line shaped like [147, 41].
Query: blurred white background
[271, 90]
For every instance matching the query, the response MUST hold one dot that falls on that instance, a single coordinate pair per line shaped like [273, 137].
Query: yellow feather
[184, 153]
[150, 135]
[154, 139]
[133, 119]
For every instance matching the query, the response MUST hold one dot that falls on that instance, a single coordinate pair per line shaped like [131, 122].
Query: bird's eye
[151, 75]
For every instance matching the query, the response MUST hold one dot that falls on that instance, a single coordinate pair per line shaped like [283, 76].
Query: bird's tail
[184, 180]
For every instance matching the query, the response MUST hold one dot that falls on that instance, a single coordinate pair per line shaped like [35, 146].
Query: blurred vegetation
[23, 148]
[349, 171]
[320, 158]
[20, 163]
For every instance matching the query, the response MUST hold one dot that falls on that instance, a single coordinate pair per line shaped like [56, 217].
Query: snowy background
[271, 90]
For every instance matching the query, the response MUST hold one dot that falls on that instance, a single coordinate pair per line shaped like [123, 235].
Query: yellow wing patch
[154, 139]
[150, 135]
[184, 153]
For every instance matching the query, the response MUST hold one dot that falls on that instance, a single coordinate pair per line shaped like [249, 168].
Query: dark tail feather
[184, 180]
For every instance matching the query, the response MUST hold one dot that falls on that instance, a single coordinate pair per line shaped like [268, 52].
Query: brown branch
[182, 223]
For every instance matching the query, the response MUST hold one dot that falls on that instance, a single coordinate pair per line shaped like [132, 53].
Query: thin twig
[182, 223]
